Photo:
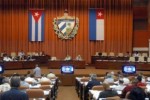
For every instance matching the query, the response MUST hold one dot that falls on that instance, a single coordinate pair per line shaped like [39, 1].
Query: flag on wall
[96, 24]
[36, 25]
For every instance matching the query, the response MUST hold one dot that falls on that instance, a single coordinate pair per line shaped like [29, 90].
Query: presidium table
[50, 64]
[99, 64]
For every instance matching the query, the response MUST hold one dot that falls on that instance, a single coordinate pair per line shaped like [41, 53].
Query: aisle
[67, 93]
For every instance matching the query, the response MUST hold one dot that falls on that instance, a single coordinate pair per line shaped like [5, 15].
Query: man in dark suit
[14, 93]
[93, 82]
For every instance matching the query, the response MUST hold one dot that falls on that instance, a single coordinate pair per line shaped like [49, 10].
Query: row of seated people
[30, 58]
[27, 86]
[140, 58]
[22, 53]
[113, 86]
[127, 54]
[20, 56]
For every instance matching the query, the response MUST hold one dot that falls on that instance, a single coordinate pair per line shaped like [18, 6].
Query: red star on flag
[36, 14]
[100, 14]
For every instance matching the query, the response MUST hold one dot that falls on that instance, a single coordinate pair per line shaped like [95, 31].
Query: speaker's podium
[67, 75]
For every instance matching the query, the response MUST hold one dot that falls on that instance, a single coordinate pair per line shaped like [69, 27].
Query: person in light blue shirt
[23, 82]
[37, 71]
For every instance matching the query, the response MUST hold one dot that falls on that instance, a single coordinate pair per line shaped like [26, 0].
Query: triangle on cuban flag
[36, 25]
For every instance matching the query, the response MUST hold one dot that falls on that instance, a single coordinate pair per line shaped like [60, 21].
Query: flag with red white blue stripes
[36, 25]
[96, 24]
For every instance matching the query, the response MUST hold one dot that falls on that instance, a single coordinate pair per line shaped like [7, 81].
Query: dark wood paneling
[140, 38]
[140, 12]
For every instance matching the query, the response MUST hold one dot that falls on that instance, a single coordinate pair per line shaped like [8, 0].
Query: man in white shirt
[5, 86]
[109, 79]
[79, 58]
[31, 79]
[120, 86]
[21, 54]
[7, 58]
[23, 82]
[51, 75]
[44, 78]
[67, 58]
[37, 71]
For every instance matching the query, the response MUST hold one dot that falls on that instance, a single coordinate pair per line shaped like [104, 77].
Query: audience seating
[45, 83]
[104, 54]
[144, 54]
[99, 88]
[131, 78]
[53, 58]
[13, 54]
[85, 79]
[45, 87]
[111, 54]
[30, 82]
[29, 53]
[101, 79]
[35, 93]
[120, 54]
[23, 88]
[132, 59]
[148, 59]
[141, 59]
[113, 98]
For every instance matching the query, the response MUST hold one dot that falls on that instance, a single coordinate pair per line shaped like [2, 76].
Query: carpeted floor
[67, 93]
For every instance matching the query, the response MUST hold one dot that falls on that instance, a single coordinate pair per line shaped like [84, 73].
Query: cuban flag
[96, 24]
[36, 25]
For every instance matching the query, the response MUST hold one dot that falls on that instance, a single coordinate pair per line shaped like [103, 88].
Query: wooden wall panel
[118, 27]
[141, 38]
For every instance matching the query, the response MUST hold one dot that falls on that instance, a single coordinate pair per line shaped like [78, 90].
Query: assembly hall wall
[118, 17]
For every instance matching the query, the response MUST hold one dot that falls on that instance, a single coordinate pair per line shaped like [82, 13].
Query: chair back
[113, 98]
[45, 83]
[98, 88]
[112, 54]
[101, 79]
[104, 54]
[35, 93]
[141, 59]
[120, 54]
[29, 53]
[148, 59]
[13, 54]
[53, 58]
[23, 87]
[144, 54]
[45, 87]
[132, 59]
[85, 79]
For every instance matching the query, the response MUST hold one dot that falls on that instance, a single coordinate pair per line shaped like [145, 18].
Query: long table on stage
[95, 58]
[19, 64]
[118, 65]
[58, 63]
[50, 64]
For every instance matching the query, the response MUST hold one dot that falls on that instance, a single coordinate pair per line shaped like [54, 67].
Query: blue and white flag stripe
[96, 24]
[36, 28]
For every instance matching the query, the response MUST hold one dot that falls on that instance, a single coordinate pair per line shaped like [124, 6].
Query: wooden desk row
[118, 65]
[95, 58]
[50, 64]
